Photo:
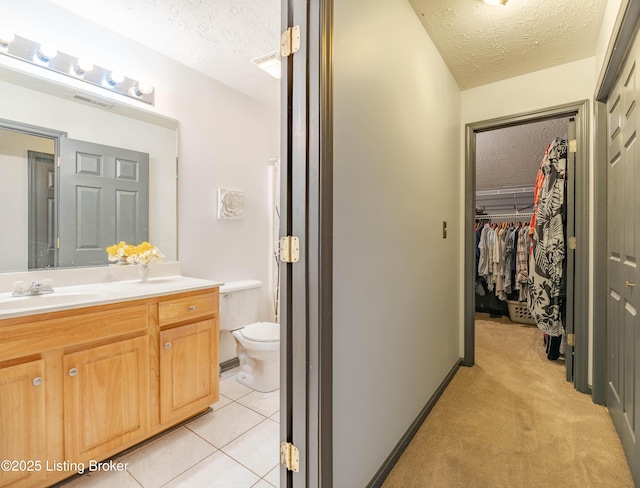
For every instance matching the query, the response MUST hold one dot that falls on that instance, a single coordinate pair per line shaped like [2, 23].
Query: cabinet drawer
[71, 330]
[187, 308]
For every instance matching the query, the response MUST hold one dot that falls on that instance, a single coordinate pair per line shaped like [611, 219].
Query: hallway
[512, 420]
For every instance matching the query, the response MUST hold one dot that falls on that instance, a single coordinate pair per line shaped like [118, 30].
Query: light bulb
[46, 52]
[82, 66]
[6, 36]
[114, 78]
[142, 88]
[145, 88]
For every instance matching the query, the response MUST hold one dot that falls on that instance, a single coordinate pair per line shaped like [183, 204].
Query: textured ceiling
[482, 44]
[510, 157]
[216, 37]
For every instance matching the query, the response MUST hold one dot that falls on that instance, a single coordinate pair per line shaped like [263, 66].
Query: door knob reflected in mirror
[629, 285]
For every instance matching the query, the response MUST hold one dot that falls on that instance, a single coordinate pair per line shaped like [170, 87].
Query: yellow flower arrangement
[143, 253]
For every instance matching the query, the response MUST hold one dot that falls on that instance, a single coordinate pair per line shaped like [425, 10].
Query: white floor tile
[222, 401]
[161, 461]
[273, 476]
[222, 426]
[258, 449]
[229, 372]
[262, 484]
[265, 403]
[276, 417]
[219, 471]
[105, 479]
[229, 387]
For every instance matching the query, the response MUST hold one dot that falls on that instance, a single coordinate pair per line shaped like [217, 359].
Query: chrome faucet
[36, 288]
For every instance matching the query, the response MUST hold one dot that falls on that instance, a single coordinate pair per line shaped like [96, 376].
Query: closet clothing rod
[524, 215]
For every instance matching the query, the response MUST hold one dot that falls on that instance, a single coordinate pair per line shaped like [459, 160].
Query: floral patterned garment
[548, 246]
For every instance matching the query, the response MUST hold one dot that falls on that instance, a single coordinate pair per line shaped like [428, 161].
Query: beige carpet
[512, 421]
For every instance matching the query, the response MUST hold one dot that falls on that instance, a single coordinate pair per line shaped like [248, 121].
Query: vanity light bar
[47, 56]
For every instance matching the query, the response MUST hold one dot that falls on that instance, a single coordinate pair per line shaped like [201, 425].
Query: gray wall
[396, 280]
[510, 157]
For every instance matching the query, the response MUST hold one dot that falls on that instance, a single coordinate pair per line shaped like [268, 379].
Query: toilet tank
[239, 303]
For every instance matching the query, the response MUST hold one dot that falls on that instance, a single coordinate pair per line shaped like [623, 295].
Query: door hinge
[289, 249]
[290, 41]
[573, 145]
[58, 243]
[573, 243]
[290, 456]
[58, 161]
[571, 340]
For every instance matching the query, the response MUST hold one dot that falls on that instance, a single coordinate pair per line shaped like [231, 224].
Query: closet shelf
[504, 200]
[507, 216]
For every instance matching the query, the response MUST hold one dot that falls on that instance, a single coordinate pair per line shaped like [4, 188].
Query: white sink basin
[76, 296]
[8, 302]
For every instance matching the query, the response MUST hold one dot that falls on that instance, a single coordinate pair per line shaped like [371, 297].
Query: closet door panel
[623, 247]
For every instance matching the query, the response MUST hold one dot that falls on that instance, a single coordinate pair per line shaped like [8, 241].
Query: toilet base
[257, 374]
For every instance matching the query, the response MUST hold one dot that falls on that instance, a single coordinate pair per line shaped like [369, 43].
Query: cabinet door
[188, 370]
[22, 423]
[106, 392]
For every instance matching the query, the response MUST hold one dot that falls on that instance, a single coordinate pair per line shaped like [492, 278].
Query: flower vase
[143, 269]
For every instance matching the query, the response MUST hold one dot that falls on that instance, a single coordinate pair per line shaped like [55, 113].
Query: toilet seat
[261, 332]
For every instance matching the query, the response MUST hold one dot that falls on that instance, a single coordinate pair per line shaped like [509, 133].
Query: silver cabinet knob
[37, 381]
[73, 371]
[167, 345]
[629, 285]
[192, 308]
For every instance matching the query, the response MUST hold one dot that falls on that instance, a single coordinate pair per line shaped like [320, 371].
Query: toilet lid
[262, 332]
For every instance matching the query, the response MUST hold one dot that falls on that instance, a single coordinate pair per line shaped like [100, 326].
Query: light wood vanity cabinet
[106, 398]
[22, 421]
[188, 369]
[188, 355]
[82, 385]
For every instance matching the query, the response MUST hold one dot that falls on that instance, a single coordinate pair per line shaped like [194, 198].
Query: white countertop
[69, 297]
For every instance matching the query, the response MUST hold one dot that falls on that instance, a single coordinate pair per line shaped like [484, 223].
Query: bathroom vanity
[87, 372]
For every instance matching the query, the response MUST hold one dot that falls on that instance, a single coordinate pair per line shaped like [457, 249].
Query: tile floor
[235, 446]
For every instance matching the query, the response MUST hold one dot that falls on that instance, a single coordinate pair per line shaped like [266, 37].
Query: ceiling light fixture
[46, 56]
[495, 2]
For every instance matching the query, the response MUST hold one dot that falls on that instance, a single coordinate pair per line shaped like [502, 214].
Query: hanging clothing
[548, 246]
[537, 190]
[507, 259]
[498, 256]
[479, 279]
[522, 263]
[483, 245]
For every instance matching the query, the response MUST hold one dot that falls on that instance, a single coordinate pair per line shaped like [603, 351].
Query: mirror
[60, 110]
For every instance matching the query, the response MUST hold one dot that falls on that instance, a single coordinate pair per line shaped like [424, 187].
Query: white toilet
[257, 343]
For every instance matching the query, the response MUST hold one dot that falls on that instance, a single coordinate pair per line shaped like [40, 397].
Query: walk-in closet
[521, 231]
